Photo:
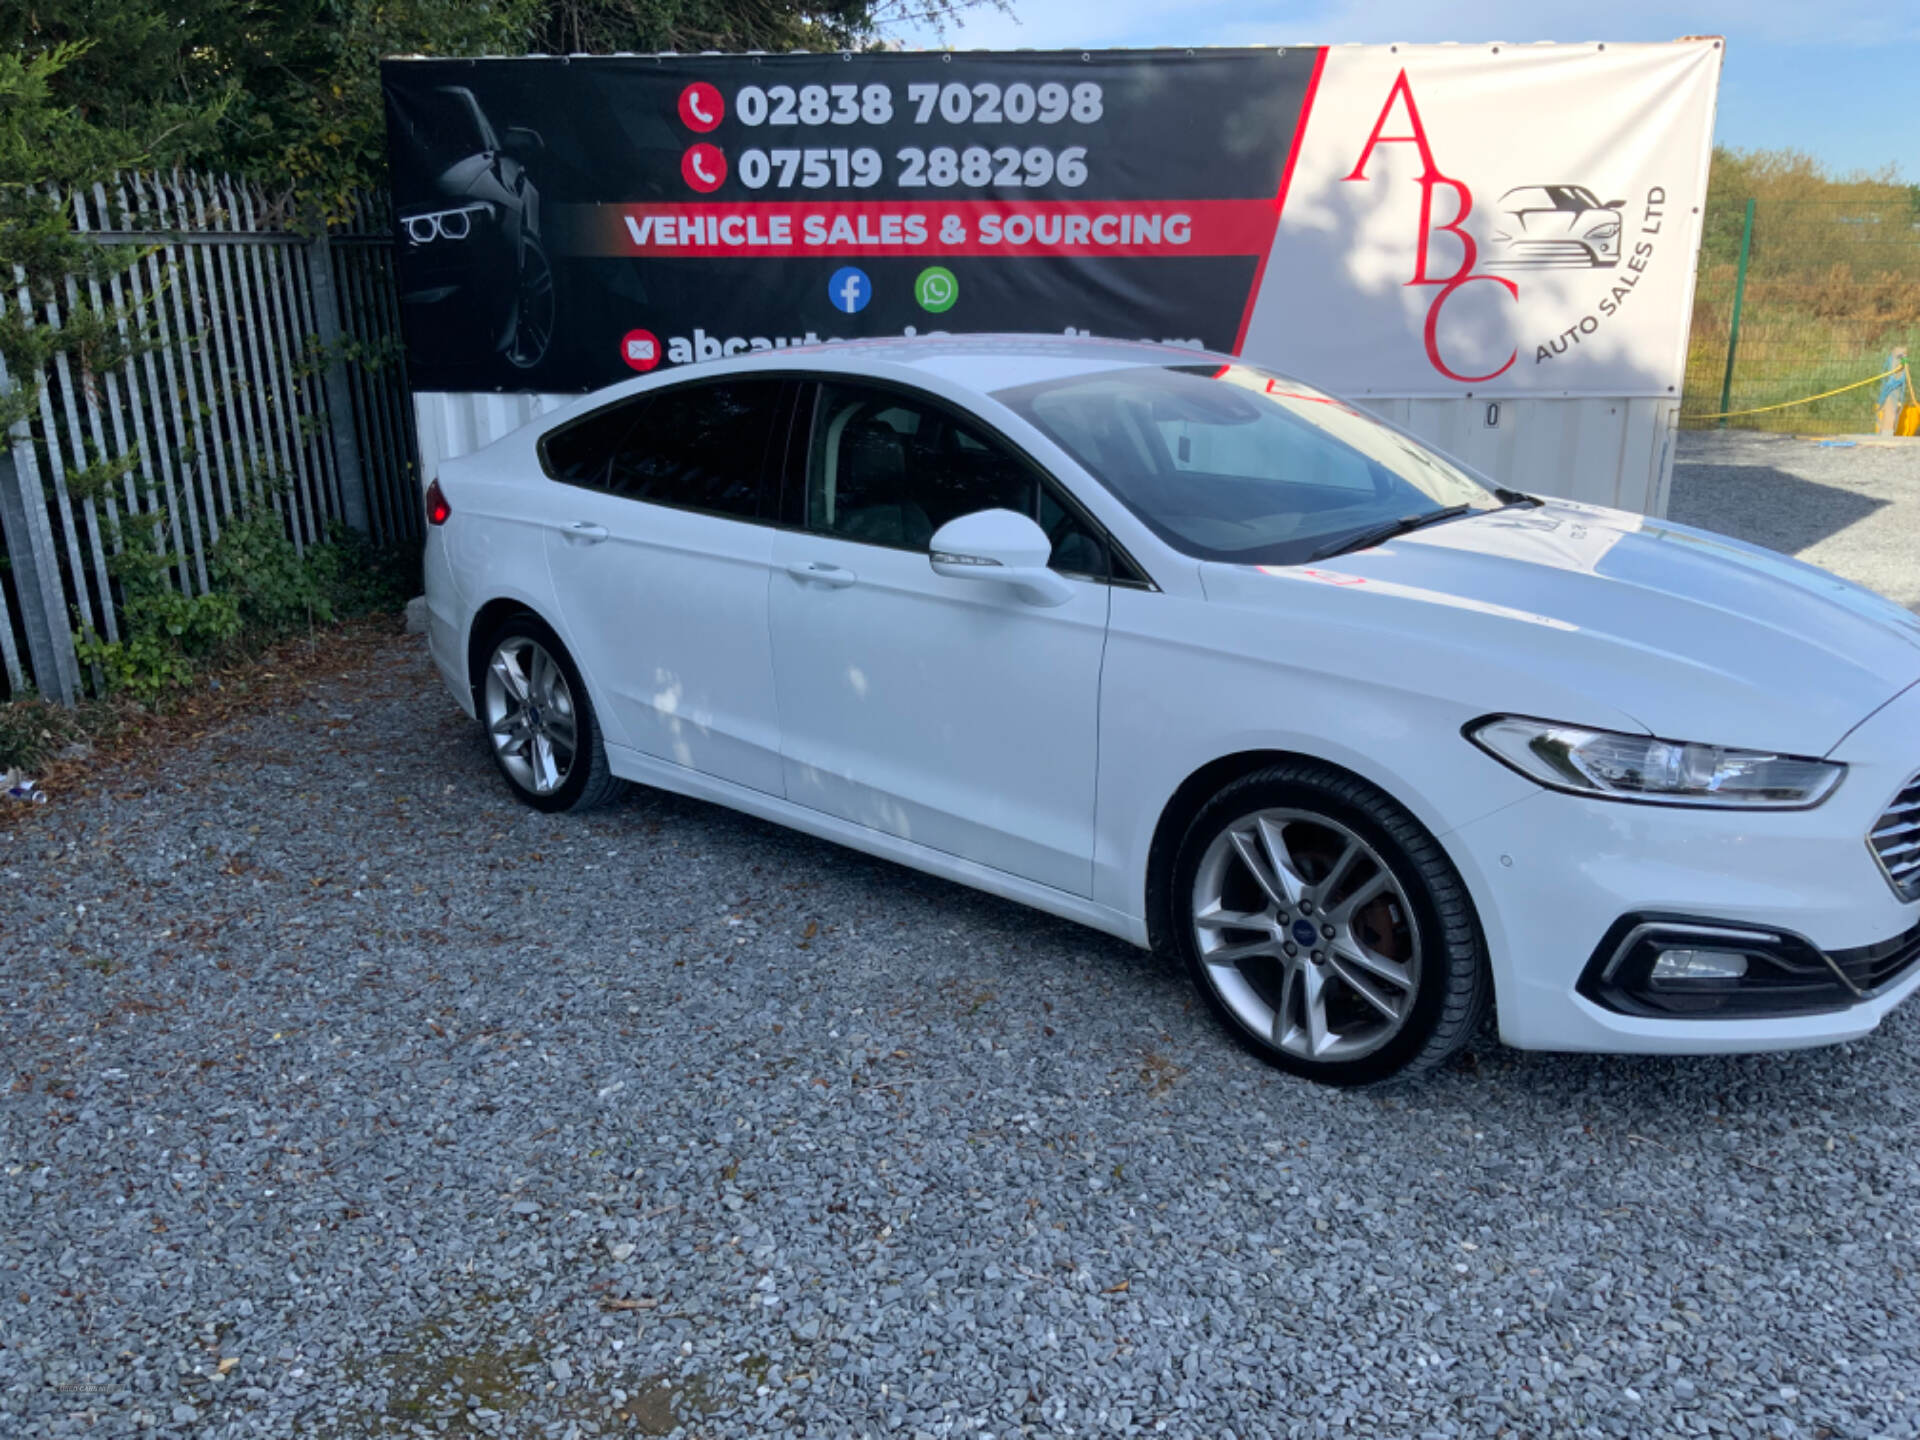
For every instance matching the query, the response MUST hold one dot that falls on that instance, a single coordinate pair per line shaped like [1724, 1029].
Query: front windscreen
[444, 127]
[1576, 197]
[1226, 462]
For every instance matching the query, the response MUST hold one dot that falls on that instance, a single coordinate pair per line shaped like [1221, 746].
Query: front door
[947, 712]
[660, 556]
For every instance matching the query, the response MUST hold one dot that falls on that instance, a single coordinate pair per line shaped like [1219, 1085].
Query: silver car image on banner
[1553, 225]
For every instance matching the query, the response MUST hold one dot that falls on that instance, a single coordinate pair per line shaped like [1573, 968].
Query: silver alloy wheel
[530, 715]
[1306, 935]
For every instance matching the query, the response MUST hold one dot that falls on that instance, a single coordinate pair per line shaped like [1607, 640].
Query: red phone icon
[701, 107]
[704, 167]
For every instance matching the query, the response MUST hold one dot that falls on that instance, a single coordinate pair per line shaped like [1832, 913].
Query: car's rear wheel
[1326, 928]
[539, 721]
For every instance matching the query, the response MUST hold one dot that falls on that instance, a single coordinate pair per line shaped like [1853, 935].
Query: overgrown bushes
[1833, 284]
[261, 589]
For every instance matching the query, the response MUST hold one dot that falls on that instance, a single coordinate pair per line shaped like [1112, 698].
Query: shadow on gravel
[1763, 505]
[1529, 1091]
[713, 823]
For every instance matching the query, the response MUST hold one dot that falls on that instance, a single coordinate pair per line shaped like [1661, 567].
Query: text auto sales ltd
[1468, 272]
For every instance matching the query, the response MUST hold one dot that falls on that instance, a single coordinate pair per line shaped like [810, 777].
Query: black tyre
[539, 721]
[536, 306]
[1326, 928]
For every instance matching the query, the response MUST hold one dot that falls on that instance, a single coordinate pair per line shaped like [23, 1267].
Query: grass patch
[1789, 349]
[34, 731]
[440, 1374]
[431, 1381]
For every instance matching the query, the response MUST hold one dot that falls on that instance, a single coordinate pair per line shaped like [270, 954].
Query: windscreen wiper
[1374, 534]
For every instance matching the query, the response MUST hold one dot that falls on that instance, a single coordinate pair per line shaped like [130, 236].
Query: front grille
[1549, 253]
[1896, 841]
[1872, 967]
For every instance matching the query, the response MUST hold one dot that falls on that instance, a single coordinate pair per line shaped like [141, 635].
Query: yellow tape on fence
[1789, 404]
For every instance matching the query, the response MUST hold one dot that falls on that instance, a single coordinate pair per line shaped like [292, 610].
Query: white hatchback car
[1209, 660]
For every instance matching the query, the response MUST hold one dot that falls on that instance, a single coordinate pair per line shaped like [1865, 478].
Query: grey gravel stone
[1852, 508]
[315, 1082]
[416, 615]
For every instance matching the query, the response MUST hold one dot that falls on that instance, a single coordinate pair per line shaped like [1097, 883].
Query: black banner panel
[565, 223]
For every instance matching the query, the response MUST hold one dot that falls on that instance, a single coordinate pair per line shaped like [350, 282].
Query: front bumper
[458, 295]
[1772, 974]
[1555, 875]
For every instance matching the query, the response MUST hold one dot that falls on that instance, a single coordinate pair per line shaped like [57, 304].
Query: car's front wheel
[534, 307]
[1326, 928]
[539, 721]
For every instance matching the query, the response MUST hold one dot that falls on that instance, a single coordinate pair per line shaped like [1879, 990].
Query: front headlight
[1604, 232]
[451, 224]
[1608, 766]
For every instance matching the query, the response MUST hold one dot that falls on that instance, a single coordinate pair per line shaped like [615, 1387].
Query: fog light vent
[1681, 966]
[1699, 969]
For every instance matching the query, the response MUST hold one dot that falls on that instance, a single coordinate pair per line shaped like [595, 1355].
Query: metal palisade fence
[266, 371]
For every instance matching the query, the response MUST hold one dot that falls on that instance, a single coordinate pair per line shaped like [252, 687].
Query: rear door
[659, 554]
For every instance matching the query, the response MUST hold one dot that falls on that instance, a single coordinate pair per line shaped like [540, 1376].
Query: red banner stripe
[1280, 198]
[1081, 228]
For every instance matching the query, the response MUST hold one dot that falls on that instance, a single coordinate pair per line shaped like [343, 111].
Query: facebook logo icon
[849, 290]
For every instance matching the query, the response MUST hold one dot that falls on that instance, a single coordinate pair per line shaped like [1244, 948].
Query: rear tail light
[437, 508]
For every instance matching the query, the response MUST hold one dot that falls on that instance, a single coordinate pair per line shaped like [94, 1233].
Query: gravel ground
[1852, 509]
[350, 1099]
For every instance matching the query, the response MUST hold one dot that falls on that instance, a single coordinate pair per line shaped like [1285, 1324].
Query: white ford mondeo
[1209, 660]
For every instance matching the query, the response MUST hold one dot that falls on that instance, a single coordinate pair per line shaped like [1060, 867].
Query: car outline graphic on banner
[475, 250]
[1574, 227]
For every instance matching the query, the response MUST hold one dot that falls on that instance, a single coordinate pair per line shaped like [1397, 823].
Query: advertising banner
[1387, 220]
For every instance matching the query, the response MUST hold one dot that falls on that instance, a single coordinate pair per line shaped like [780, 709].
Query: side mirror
[1615, 204]
[1000, 546]
[521, 143]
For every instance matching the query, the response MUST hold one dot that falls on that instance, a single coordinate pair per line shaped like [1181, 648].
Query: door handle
[815, 572]
[585, 531]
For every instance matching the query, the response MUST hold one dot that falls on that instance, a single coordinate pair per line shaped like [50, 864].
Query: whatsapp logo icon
[936, 289]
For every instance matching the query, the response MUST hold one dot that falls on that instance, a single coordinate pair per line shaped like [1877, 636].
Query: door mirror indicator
[1003, 547]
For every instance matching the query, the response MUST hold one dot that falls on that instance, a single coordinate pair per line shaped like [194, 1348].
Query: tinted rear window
[696, 447]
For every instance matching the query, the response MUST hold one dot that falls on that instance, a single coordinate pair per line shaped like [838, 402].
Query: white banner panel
[1492, 220]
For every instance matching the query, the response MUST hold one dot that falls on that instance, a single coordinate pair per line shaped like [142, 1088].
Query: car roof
[980, 364]
[986, 363]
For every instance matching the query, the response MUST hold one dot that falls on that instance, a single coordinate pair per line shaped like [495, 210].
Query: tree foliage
[48, 146]
[289, 93]
[565, 27]
[1807, 218]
